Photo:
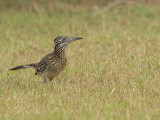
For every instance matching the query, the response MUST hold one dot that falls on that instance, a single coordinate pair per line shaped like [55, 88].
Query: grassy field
[112, 74]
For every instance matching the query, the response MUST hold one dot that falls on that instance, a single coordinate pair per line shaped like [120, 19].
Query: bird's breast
[63, 63]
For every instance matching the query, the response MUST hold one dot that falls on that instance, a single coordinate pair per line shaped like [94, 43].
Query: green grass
[112, 74]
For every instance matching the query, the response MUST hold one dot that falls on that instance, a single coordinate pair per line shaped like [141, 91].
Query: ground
[112, 74]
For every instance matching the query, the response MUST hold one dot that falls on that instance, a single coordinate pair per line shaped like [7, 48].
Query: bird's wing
[44, 63]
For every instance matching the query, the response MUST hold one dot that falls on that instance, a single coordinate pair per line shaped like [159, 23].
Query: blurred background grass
[12, 4]
[113, 73]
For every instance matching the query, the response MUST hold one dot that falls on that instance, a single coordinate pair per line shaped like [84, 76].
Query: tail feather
[23, 66]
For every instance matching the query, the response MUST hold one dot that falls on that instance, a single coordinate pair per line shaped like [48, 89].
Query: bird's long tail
[23, 66]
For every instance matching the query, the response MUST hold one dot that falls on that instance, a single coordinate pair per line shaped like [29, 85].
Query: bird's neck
[60, 51]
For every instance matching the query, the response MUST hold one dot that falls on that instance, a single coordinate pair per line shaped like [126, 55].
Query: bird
[52, 64]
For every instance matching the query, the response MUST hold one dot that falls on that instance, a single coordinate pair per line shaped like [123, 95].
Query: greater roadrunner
[53, 63]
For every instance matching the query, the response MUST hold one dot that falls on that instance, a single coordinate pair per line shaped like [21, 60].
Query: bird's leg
[51, 78]
[44, 79]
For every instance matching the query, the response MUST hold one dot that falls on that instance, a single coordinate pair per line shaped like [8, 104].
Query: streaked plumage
[53, 63]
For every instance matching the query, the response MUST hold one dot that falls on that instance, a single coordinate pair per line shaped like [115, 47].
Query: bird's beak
[75, 38]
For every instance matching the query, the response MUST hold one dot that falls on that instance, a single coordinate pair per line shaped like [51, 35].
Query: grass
[112, 74]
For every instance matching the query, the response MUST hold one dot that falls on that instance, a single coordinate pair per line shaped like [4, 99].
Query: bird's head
[63, 41]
